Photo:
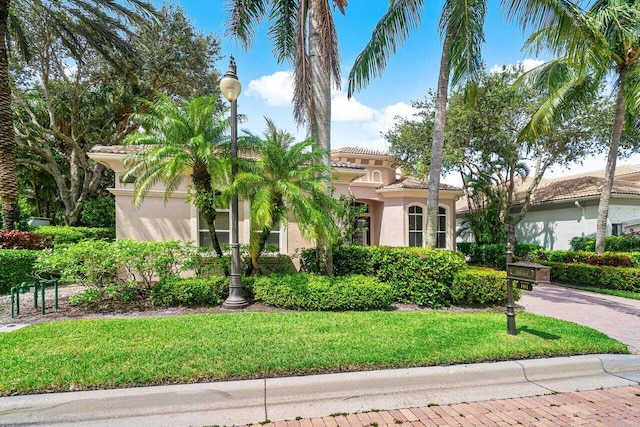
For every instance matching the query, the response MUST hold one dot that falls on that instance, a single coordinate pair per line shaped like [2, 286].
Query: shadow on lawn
[543, 335]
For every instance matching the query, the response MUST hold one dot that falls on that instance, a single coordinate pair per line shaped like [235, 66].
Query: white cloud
[527, 64]
[275, 89]
[344, 109]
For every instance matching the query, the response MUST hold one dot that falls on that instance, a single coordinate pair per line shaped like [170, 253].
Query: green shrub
[575, 273]
[15, 239]
[321, 293]
[620, 278]
[495, 255]
[614, 259]
[111, 297]
[91, 262]
[99, 212]
[417, 275]
[65, 235]
[174, 291]
[481, 286]
[628, 242]
[16, 266]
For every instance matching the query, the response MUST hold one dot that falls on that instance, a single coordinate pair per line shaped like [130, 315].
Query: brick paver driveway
[611, 407]
[617, 317]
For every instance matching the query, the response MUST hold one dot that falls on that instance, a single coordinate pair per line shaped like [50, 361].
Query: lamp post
[230, 88]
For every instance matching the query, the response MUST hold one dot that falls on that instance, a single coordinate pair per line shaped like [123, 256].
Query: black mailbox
[529, 272]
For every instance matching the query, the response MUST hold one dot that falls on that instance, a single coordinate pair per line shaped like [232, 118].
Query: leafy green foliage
[322, 293]
[112, 297]
[416, 275]
[628, 242]
[481, 287]
[99, 212]
[66, 235]
[495, 255]
[174, 291]
[620, 259]
[23, 240]
[16, 266]
[99, 263]
[620, 278]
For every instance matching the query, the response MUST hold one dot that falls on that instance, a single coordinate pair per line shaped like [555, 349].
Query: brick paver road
[617, 317]
[613, 407]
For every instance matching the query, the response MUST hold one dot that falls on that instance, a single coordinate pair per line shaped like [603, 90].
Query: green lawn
[82, 354]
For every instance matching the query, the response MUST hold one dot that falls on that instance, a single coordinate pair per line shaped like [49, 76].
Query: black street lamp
[230, 88]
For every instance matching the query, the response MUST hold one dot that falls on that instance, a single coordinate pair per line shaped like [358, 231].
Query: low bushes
[621, 278]
[624, 243]
[321, 293]
[614, 259]
[65, 235]
[16, 266]
[421, 276]
[23, 240]
[495, 255]
[195, 291]
[481, 286]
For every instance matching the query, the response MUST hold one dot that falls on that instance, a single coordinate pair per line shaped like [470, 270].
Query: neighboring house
[567, 207]
[395, 215]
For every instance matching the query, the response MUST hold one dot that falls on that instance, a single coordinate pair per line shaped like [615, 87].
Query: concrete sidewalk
[306, 397]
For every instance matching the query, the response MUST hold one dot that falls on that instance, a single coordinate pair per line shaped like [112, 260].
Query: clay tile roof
[348, 165]
[359, 150]
[410, 182]
[578, 188]
[115, 149]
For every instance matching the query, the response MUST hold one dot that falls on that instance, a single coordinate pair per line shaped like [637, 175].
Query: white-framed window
[274, 236]
[441, 233]
[416, 226]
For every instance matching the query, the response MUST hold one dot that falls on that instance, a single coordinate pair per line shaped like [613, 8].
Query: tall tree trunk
[8, 177]
[610, 171]
[321, 120]
[437, 145]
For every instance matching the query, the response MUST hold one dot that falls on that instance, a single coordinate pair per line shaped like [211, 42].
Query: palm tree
[103, 24]
[304, 33]
[461, 26]
[288, 178]
[591, 45]
[180, 140]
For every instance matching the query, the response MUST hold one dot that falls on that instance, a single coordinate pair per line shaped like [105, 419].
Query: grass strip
[613, 292]
[87, 354]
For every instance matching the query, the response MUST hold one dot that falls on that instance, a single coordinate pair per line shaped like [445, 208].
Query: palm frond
[465, 20]
[245, 15]
[391, 31]
[283, 17]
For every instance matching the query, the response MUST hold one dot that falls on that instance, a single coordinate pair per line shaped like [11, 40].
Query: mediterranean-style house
[567, 207]
[394, 216]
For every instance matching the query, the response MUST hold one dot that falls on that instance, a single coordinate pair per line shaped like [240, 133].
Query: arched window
[376, 176]
[416, 226]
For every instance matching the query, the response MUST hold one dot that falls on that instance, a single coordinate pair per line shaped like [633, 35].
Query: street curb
[253, 401]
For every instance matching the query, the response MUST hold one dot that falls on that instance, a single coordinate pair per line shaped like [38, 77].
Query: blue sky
[357, 122]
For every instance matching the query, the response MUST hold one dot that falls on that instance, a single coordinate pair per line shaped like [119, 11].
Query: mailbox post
[527, 274]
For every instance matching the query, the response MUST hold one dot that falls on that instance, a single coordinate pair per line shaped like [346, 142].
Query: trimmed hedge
[481, 287]
[614, 259]
[16, 266]
[174, 291]
[420, 276]
[621, 278]
[495, 255]
[623, 243]
[321, 293]
[66, 235]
